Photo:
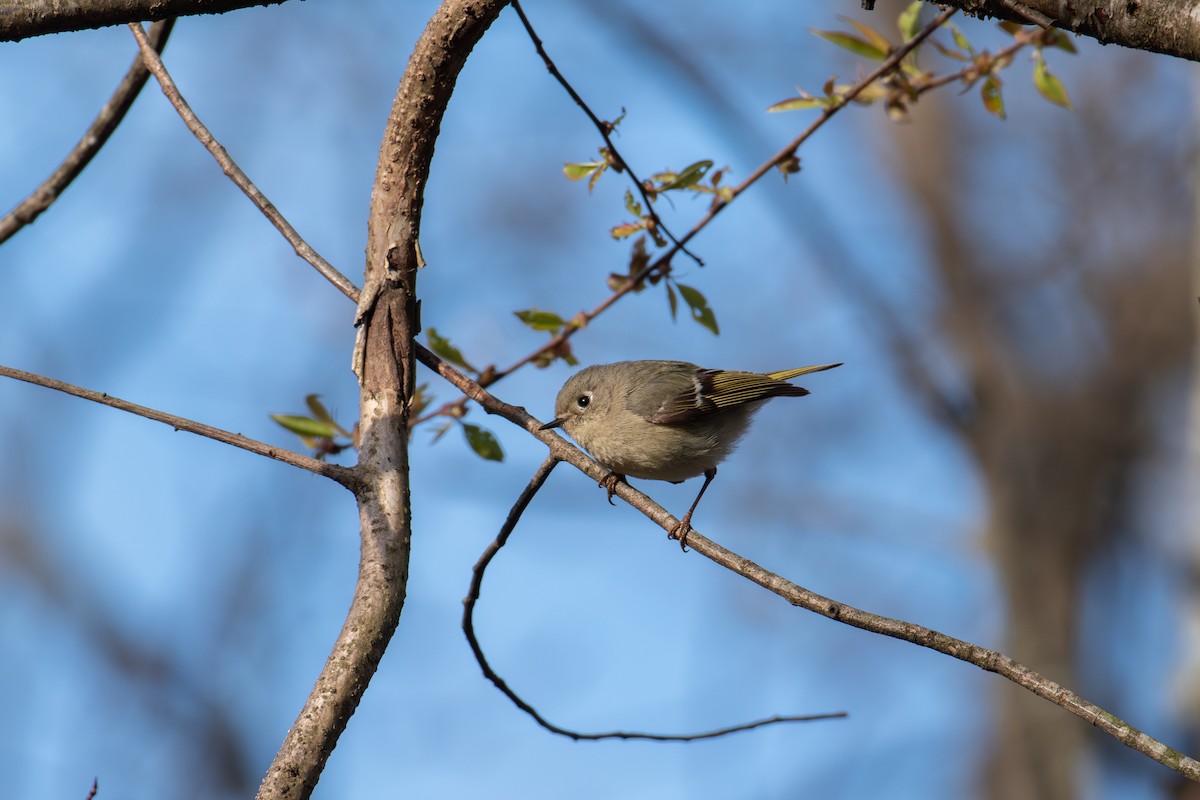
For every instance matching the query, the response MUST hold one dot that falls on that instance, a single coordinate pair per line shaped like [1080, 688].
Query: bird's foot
[610, 482]
[681, 531]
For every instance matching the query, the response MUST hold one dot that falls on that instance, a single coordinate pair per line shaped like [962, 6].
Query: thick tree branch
[989, 660]
[385, 363]
[1171, 27]
[20, 19]
[93, 139]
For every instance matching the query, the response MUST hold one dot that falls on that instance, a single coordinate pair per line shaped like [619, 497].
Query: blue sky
[153, 279]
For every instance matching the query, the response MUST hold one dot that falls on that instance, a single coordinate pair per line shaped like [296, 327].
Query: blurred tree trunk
[1064, 304]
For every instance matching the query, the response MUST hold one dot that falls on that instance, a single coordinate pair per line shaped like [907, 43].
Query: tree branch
[385, 364]
[338, 473]
[20, 19]
[989, 660]
[235, 173]
[1170, 27]
[94, 138]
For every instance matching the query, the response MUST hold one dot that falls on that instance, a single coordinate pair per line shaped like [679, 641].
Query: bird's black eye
[583, 401]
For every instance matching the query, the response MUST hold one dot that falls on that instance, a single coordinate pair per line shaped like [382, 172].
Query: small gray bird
[665, 420]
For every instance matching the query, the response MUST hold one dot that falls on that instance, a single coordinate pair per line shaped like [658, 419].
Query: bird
[665, 420]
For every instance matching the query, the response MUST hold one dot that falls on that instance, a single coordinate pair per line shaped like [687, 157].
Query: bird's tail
[788, 374]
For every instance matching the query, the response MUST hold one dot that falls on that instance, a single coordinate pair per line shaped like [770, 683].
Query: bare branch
[94, 138]
[21, 19]
[468, 626]
[230, 168]
[342, 475]
[989, 660]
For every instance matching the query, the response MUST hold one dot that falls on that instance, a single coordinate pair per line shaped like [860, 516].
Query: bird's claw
[680, 532]
[610, 482]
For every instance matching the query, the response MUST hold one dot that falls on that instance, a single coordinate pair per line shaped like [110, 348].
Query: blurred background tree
[1002, 458]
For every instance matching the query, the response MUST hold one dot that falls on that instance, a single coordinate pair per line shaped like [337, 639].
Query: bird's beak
[554, 423]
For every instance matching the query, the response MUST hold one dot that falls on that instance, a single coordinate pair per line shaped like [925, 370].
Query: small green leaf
[442, 347]
[960, 39]
[803, 101]
[909, 20]
[691, 175]
[1061, 40]
[873, 36]
[540, 320]
[631, 205]
[627, 230]
[993, 100]
[1011, 28]
[305, 426]
[313, 401]
[672, 301]
[855, 44]
[580, 170]
[483, 442]
[1049, 85]
[698, 305]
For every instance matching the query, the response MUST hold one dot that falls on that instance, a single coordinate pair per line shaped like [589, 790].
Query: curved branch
[468, 626]
[798, 596]
[340, 474]
[94, 138]
[384, 360]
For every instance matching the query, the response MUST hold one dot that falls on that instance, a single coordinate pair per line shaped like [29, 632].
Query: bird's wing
[685, 395]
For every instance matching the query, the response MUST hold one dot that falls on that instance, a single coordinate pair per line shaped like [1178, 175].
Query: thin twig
[94, 138]
[468, 626]
[891, 63]
[605, 129]
[342, 475]
[661, 264]
[235, 173]
[990, 660]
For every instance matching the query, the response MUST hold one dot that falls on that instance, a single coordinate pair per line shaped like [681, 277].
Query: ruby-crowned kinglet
[665, 420]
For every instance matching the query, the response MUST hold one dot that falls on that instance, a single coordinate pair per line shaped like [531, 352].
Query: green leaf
[313, 401]
[1011, 28]
[1061, 40]
[672, 301]
[993, 100]
[909, 20]
[442, 347]
[873, 36]
[631, 205]
[855, 44]
[1050, 86]
[483, 442]
[626, 230]
[540, 320]
[691, 175]
[580, 170]
[960, 39]
[305, 426]
[698, 305]
[805, 100]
